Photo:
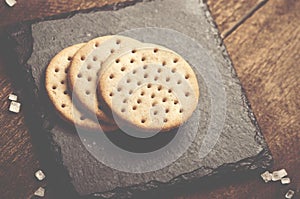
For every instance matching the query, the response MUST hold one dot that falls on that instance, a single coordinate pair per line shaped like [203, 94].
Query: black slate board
[240, 146]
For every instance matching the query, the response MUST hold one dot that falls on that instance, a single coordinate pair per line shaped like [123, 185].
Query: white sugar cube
[278, 175]
[285, 181]
[12, 97]
[15, 107]
[266, 176]
[289, 194]
[11, 3]
[40, 192]
[40, 175]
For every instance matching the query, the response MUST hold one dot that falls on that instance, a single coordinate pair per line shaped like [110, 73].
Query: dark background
[265, 52]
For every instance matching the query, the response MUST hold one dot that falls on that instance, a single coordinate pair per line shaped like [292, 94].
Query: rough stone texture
[240, 146]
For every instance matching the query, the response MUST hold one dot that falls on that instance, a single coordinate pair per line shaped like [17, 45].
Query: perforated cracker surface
[85, 68]
[60, 96]
[149, 88]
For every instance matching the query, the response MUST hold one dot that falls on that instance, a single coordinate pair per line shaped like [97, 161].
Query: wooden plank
[18, 162]
[32, 9]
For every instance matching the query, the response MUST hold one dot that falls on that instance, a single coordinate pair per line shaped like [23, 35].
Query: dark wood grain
[265, 52]
[33, 9]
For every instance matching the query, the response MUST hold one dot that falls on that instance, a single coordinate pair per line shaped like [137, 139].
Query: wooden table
[265, 51]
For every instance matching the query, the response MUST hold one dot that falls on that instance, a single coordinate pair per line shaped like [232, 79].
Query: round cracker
[57, 89]
[151, 89]
[85, 68]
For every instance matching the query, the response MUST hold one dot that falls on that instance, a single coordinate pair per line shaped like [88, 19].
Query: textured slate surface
[240, 145]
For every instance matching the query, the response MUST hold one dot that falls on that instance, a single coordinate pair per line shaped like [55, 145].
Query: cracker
[85, 68]
[60, 96]
[151, 89]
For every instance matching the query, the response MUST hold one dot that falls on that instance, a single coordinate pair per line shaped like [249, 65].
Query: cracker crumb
[40, 175]
[10, 3]
[12, 97]
[15, 107]
[285, 181]
[289, 194]
[40, 192]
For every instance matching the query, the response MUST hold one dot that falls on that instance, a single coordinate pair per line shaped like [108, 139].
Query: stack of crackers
[122, 82]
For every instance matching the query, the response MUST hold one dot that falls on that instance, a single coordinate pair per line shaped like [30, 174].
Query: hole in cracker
[87, 92]
[111, 94]
[167, 79]
[63, 105]
[143, 59]
[159, 70]
[111, 76]
[125, 101]
[95, 58]
[187, 94]
[142, 93]
[170, 91]
[79, 75]
[128, 81]
[56, 70]
[175, 60]
[97, 44]
[146, 76]
[159, 88]
[155, 50]
[179, 82]
[130, 92]
[149, 85]
[117, 61]
[164, 63]
[62, 82]
[118, 41]
[65, 92]
[123, 69]
[54, 87]
[139, 101]
[134, 71]
[123, 110]
[132, 61]
[82, 58]
[155, 112]
[155, 78]
[66, 70]
[143, 121]
[167, 110]
[154, 104]
[145, 67]
[134, 108]
[133, 51]
[181, 110]
[165, 120]
[187, 76]
[176, 102]
[88, 67]
[119, 89]
[69, 58]
[112, 51]
[164, 99]
[153, 95]
[139, 83]
[173, 70]
[89, 79]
